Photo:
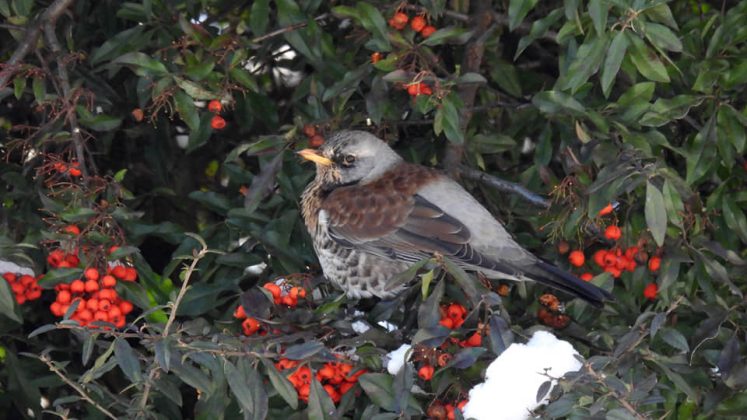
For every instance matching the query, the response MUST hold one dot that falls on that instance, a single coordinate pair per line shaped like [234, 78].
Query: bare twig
[72, 384]
[281, 31]
[71, 116]
[172, 316]
[483, 25]
[505, 186]
[28, 44]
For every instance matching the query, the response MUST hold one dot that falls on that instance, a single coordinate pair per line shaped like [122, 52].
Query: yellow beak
[312, 155]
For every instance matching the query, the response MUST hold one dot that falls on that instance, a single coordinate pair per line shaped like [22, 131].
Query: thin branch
[172, 316]
[30, 38]
[46, 360]
[281, 31]
[72, 118]
[504, 186]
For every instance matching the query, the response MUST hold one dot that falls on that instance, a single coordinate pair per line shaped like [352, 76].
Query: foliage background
[584, 102]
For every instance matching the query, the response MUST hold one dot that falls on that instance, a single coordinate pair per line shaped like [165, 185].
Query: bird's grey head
[351, 157]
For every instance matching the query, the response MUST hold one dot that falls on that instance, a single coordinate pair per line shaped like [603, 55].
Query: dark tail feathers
[548, 274]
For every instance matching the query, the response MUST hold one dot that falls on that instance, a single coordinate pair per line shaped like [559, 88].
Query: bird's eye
[348, 160]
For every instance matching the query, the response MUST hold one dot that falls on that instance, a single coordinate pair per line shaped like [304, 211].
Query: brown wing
[388, 218]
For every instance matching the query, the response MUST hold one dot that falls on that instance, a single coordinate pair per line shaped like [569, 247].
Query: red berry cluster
[24, 287]
[452, 316]
[64, 168]
[419, 88]
[249, 325]
[315, 139]
[551, 312]
[418, 24]
[336, 378]
[95, 296]
[617, 260]
[445, 411]
[217, 122]
[282, 294]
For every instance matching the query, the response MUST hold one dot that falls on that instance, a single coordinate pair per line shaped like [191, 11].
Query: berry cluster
[419, 88]
[71, 169]
[24, 287]
[418, 24]
[315, 139]
[452, 316]
[249, 325]
[445, 411]
[217, 122]
[551, 312]
[282, 293]
[336, 378]
[95, 297]
[616, 260]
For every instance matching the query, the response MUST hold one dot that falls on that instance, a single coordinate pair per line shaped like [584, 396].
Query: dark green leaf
[303, 351]
[8, 306]
[320, 404]
[587, 61]
[518, 10]
[127, 360]
[598, 12]
[612, 62]
[646, 60]
[674, 338]
[281, 384]
[656, 213]
[378, 387]
[239, 387]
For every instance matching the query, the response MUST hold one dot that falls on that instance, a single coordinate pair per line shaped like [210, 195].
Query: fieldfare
[371, 215]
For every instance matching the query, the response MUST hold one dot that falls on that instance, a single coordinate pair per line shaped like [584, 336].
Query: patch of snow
[396, 359]
[11, 267]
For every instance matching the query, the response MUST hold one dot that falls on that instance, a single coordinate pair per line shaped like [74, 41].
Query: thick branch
[483, 26]
[505, 186]
[28, 44]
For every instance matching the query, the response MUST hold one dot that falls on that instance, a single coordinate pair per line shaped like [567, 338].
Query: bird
[371, 215]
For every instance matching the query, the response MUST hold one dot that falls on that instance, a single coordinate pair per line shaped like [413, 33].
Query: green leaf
[19, 85]
[598, 10]
[674, 338]
[8, 305]
[555, 102]
[259, 16]
[734, 217]
[518, 10]
[101, 122]
[59, 275]
[447, 119]
[646, 60]
[144, 64]
[378, 387]
[321, 406]
[281, 384]
[195, 90]
[372, 20]
[730, 127]
[587, 61]
[450, 34]
[127, 360]
[238, 385]
[185, 106]
[116, 45]
[656, 213]
[663, 37]
[612, 62]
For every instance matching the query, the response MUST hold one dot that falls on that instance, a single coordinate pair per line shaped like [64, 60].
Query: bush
[149, 167]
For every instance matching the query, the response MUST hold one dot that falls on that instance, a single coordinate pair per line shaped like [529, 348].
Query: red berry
[650, 291]
[91, 274]
[218, 123]
[426, 372]
[608, 209]
[399, 21]
[418, 23]
[75, 172]
[586, 276]
[316, 141]
[71, 229]
[612, 233]
[119, 271]
[108, 281]
[428, 31]
[215, 106]
[576, 258]
[376, 57]
[130, 274]
[77, 286]
[91, 286]
[63, 296]
[654, 263]
[250, 326]
[126, 307]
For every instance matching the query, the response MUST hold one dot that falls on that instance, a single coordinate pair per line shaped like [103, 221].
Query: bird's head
[351, 157]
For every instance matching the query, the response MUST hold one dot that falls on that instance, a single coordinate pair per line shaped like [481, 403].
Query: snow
[10, 267]
[360, 326]
[396, 359]
[512, 380]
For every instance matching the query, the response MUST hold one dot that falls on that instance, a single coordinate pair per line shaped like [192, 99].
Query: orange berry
[108, 281]
[273, 288]
[650, 291]
[503, 290]
[85, 316]
[428, 31]
[346, 386]
[114, 311]
[418, 23]
[239, 313]
[11, 277]
[288, 301]
[77, 286]
[447, 322]
[109, 294]
[316, 141]
[91, 274]
[26, 280]
[75, 172]
[608, 209]
[586, 276]
[426, 372]
[612, 233]
[92, 304]
[334, 395]
[250, 326]
[63, 296]
[17, 288]
[399, 21]
[217, 122]
[130, 274]
[376, 57]
[34, 293]
[215, 106]
[616, 272]
[91, 286]
[475, 340]
[105, 305]
[654, 263]
[309, 130]
[56, 309]
[113, 249]
[126, 307]
[119, 271]
[71, 229]
[576, 258]
[101, 316]
[138, 114]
